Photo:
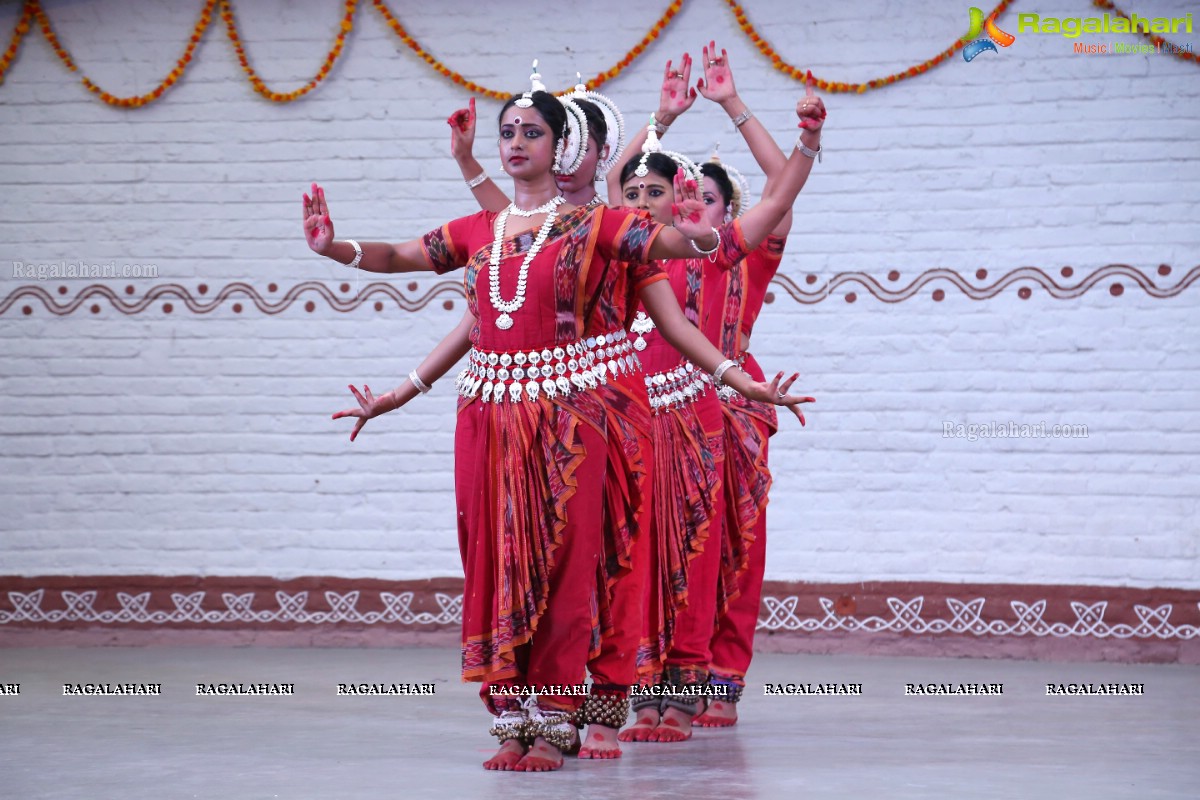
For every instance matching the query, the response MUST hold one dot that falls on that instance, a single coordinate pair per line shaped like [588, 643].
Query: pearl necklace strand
[507, 307]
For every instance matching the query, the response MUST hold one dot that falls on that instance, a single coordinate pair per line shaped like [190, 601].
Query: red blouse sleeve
[626, 235]
[450, 246]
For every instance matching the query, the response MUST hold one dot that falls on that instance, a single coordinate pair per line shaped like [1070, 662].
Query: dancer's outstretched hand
[677, 93]
[717, 83]
[776, 393]
[462, 131]
[370, 407]
[810, 108]
[687, 213]
[318, 227]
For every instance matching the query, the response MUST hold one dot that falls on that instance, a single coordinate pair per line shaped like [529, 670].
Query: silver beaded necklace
[508, 307]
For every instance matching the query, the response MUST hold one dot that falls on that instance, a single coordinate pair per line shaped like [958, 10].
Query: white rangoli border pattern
[967, 617]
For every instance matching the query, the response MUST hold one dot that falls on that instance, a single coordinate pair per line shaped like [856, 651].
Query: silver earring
[558, 155]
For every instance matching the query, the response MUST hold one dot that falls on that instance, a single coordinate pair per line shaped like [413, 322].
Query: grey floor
[319, 745]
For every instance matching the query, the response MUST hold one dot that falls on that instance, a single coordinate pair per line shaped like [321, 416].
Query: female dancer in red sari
[733, 295]
[530, 451]
[627, 497]
[697, 565]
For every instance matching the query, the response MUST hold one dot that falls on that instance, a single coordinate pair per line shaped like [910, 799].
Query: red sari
[529, 471]
[611, 302]
[734, 295]
[688, 515]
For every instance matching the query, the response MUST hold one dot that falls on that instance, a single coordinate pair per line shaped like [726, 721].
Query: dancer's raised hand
[687, 212]
[677, 93]
[810, 108]
[318, 227]
[717, 83]
[462, 131]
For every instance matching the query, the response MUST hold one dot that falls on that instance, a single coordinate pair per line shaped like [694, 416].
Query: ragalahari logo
[976, 45]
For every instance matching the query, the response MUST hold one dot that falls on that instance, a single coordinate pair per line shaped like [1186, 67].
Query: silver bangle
[715, 247]
[659, 127]
[478, 179]
[742, 118]
[808, 151]
[357, 254]
[721, 369]
[422, 387]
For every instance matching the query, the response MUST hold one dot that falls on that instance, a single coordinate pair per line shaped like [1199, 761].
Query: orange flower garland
[1157, 40]
[32, 11]
[14, 44]
[257, 82]
[834, 86]
[639, 48]
[139, 100]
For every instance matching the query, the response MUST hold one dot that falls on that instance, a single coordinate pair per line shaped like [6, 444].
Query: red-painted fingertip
[691, 185]
[693, 93]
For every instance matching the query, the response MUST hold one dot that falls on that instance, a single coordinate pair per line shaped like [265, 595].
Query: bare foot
[601, 742]
[642, 727]
[506, 757]
[719, 714]
[542, 757]
[676, 726]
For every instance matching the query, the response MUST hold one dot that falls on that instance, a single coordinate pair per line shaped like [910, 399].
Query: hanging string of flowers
[14, 44]
[592, 83]
[32, 12]
[286, 97]
[1157, 40]
[136, 101]
[798, 74]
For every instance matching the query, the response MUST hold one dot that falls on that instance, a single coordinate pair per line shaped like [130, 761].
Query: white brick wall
[201, 444]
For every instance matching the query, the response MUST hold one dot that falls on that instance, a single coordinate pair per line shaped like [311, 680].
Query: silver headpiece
[741, 187]
[653, 145]
[612, 118]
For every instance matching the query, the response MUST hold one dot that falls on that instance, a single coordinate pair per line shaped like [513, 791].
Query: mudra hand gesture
[370, 407]
[318, 227]
[462, 131]
[776, 393]
[717, 83]
[810, 108]
[687, 212]
[677, 95]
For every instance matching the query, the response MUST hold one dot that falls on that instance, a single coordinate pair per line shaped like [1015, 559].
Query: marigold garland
[1153, 37]
[14, 44]
[259, 86]
[32, 11]
[837, 86]
[136, 101]
[655, 31]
